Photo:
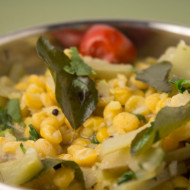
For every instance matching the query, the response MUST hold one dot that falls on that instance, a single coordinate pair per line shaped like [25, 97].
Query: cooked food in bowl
[98, 118]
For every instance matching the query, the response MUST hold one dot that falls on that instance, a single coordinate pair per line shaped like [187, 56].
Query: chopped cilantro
[126, 177]
[77, 65]
[141, 117]
[33, 133]
[22, 148]
[181, 84]
[95, 140]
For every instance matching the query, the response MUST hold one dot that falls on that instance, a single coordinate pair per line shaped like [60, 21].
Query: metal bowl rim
[163, 26]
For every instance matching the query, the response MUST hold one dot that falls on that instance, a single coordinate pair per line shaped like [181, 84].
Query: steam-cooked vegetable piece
[7, 88]
[118, 160]
[18, 172]
[179, 154]
[180, 59]
[167, 119]
[144, 184]
[106, 70]
[119, 142]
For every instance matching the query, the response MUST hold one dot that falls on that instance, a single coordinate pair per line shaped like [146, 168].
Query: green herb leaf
[126, 177]
[77, 99]
[166, 121]
[181, 84]
[6, 124]
[33, 133]
[13, 109]
[22, 148]
[49, 163]
[77, 65]
[5, 120]
[157, 76]
[95, 140]
[141, 117]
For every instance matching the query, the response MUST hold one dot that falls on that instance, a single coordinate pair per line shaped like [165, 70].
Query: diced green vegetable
[76, 102]
[157, 76]
[180, 58]
[18, 172]
[167, 119]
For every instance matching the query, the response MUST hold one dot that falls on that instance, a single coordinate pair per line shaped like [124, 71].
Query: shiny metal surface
[150, 38]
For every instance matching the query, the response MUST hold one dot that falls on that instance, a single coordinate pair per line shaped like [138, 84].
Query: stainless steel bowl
[150, 38]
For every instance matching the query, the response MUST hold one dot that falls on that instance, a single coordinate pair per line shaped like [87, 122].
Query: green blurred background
[18, 14]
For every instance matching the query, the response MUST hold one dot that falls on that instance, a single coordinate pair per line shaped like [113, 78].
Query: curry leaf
[50, 163]
[181, 84]
[166, 121]
[157, 76]
[77, 65]
[77, 99]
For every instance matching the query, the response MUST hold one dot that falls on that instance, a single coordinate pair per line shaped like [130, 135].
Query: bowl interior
[150, 38]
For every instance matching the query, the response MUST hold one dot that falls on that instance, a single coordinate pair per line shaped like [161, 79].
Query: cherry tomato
[68, 37]
[105, 42]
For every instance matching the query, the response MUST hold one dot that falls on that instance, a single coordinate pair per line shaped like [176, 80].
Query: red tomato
[105, 42]
[68, 37]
